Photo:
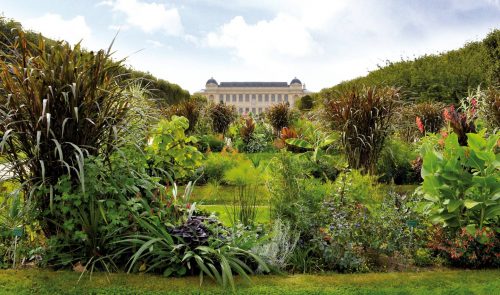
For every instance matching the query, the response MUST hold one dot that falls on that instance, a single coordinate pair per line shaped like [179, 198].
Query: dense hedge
[445, 77]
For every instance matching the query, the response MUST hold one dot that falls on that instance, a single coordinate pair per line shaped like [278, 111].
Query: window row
[253, 97]
[255, 111]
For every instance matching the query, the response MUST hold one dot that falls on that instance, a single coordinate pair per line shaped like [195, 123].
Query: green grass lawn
[427, 282]
[223, 194]
[224, 213]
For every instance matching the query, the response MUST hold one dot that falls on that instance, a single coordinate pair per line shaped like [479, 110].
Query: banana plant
[316, 147]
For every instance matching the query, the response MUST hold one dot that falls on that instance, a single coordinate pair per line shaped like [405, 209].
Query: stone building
[254, 97]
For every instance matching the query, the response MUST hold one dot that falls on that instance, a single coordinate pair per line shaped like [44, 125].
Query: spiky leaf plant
[59, 104]
[363, 115]
[247, 129]
[222, 116]
[279, 116]
[190, 109]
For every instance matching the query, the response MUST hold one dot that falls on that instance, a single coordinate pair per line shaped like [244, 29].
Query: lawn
[224, 213]
[426, 282]
[210, 194]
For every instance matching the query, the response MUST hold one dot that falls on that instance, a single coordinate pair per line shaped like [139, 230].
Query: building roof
[295, 80]
[253, 84]
[211, 80]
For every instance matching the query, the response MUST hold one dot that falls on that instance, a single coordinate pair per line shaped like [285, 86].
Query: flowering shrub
[461, 120]
[463, 249]
[360, 225]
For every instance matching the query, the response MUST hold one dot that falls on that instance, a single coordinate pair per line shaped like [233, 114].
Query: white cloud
[54, 26]
[149, 17]
[280, 38]
[156, 44]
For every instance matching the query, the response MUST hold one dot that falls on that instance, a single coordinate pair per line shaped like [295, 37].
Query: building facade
[254, 97]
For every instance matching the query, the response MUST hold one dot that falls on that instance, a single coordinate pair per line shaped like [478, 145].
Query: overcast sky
[322, 42]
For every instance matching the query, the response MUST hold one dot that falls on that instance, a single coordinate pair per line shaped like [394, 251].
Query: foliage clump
[222, 116]
[363, 116]
[280, 116]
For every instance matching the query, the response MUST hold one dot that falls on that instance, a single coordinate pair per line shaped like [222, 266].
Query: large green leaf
[299, 143]
[492, 212]
[469, 204]
[476, 141]
[453, 205]
[431, 163]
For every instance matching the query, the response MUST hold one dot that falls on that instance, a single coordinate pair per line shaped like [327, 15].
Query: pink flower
[420, 125]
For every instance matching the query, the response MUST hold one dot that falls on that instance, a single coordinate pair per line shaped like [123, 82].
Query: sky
[321, 42]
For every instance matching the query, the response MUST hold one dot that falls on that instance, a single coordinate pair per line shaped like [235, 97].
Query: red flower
[473, 101]
[448, 113]
[188, 205]
[420, 125]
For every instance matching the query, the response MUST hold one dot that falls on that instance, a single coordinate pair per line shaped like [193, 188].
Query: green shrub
[217, 164]
[423, 257]
[295, 196]
[171, 150]
[211, 143]
[395, 163]
[305, 103]
[90, 221]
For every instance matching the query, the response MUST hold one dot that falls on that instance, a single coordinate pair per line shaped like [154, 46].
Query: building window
[253, 110]
[240, 97]
[260, 97]
[253, 96]
[266, 97]
[234, 97]
[286, 97]
[273, 98]
[260, 110]
[279, 97]
[247, 110]
[240, 111]
[247, 97]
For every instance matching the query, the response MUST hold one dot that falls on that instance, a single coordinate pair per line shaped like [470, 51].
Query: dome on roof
[295, 81]
[212, 81]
